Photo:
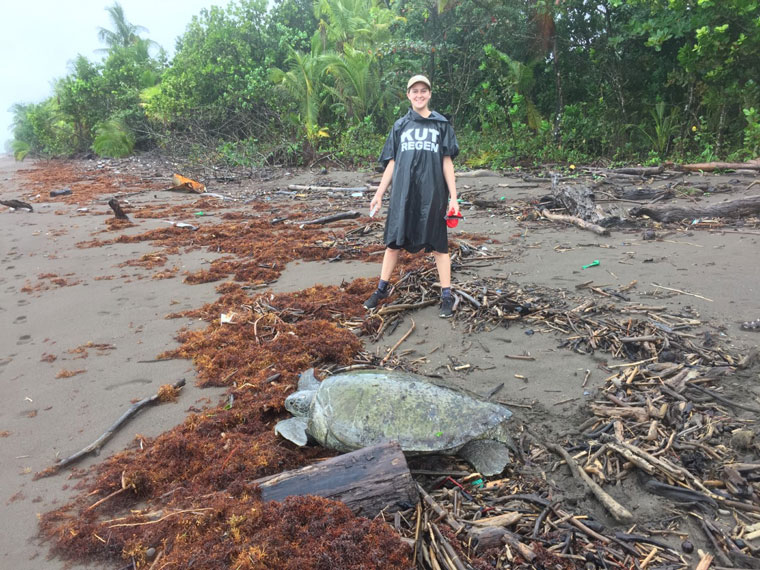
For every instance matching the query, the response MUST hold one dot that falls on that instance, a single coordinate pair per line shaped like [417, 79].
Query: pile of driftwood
[578, 201]
[662, 423]
[464, 522]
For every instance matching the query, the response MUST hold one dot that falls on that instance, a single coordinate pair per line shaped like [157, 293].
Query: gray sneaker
[447, 307]
[376, 297]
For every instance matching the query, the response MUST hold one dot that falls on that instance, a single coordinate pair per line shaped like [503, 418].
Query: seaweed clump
[301, 533]
[190, 493]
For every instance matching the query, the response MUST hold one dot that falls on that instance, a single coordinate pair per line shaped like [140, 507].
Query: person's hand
[453, 205]
[374, 205]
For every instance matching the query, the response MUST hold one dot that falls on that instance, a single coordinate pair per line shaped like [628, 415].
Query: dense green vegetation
[522, 81]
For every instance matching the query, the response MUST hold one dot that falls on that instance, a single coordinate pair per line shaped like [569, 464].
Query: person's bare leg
[443, 265]
[389, 263]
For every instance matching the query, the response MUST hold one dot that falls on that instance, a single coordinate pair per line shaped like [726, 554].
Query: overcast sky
[39, 38]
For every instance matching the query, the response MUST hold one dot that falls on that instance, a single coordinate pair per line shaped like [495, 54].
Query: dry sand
[104, 323]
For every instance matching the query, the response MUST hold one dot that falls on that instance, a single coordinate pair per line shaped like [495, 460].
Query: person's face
[419, 96]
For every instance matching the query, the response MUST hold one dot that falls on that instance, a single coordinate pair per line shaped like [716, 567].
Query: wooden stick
[332, 218]
[455, 525]
[395, 346]
[682, 292]
[720, 398]
[96, 445]
[617, 510]
[449, 550]
[390, 309]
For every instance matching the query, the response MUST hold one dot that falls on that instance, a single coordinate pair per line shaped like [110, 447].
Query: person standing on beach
[417, 157]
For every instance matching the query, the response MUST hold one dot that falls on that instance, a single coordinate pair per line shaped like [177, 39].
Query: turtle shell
[361, 408]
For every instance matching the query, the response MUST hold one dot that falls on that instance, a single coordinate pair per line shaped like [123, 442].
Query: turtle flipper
[293, 429]
[307, 380]
[488, 456]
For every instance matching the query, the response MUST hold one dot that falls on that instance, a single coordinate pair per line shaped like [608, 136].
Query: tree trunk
[367, 481]
[734, 209]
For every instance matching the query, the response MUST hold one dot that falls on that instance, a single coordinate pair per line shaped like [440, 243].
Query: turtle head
[299, 403]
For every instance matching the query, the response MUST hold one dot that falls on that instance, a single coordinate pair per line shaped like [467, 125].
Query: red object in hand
[452, 218]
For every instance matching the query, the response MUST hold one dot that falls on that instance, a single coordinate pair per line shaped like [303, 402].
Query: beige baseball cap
[418, 79]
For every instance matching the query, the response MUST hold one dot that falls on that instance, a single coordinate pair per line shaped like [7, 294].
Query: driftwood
[368, 481]
[582, 210]
[577, 221]
[332, 218]
[476, 174]
[489, 203]
[303, 188]
[116, 207]
[712, 166]
[17, 204]
[617, 510]
[644, 194]
[748, 206]
[640, 170]
[578, 200]
[96, 445]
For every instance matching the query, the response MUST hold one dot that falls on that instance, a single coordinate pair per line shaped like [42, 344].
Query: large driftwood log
[476, 173]
[640, 170]
[305, 188]
[734, 209]
[17, 204]
[578, 200]
[712, 166]
[367, 481]
[644, 194]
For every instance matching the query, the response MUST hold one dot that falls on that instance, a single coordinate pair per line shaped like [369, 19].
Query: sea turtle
[359, 408]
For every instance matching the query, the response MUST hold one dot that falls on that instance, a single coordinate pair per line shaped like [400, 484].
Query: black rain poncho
[419, 196]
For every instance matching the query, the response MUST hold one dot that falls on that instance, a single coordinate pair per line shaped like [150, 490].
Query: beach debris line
[368, 481]
[359, 408]
[166, 393]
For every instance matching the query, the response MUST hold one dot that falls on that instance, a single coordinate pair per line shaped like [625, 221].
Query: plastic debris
[592, 264]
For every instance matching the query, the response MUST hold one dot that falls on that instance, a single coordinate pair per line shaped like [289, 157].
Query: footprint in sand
[19, 320]
[24, 339]
[22, 302]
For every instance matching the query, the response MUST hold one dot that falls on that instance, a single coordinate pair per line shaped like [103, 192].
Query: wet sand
[81, 330]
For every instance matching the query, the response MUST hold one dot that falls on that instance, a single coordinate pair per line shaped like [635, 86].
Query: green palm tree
[124, 33]
[357, 84]
[303, 81]
[516, 78]
[355, 22]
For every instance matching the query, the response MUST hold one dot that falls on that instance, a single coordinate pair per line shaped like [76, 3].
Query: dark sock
[445, 292]
[382, 286]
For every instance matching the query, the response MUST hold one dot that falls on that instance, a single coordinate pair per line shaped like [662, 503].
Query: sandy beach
[84, 323]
